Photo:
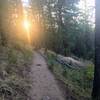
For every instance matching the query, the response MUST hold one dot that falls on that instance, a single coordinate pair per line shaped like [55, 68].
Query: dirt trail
[45, 86]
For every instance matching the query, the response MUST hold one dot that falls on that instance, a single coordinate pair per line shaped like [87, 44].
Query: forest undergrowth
[14, 71]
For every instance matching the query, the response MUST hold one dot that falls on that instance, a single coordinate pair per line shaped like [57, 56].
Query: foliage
[66, 29]
[15, 52]
[59, 26]
[78, 81]
[14, 69]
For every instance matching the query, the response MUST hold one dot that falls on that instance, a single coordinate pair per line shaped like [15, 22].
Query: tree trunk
[96, 84]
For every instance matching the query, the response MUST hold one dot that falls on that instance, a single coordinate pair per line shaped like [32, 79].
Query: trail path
[44, 85]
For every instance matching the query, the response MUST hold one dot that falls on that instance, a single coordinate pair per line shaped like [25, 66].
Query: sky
[89, 3]
[81, 5]
[25, 2]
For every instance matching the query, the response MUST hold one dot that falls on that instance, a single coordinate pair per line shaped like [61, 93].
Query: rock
[71, 61]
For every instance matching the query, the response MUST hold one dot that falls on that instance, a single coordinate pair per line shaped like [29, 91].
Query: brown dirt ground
[44, 85]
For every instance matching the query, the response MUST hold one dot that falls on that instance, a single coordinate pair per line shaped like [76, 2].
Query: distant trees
[3, 19]
[66, 29]
[58, 25]
[10, 14]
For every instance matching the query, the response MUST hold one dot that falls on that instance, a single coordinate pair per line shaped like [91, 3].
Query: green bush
[12, 56]
[89, 72]
[80, 81]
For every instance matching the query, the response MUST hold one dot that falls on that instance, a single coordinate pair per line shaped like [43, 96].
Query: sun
[27, 28]
[26, 24]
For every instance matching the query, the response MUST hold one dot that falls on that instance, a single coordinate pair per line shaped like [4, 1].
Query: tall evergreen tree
[96, 85]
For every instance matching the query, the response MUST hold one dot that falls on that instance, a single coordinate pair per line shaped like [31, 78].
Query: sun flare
[27, 27]
[26, 24]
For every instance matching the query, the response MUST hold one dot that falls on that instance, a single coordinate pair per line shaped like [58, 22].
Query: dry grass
[14, 69]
